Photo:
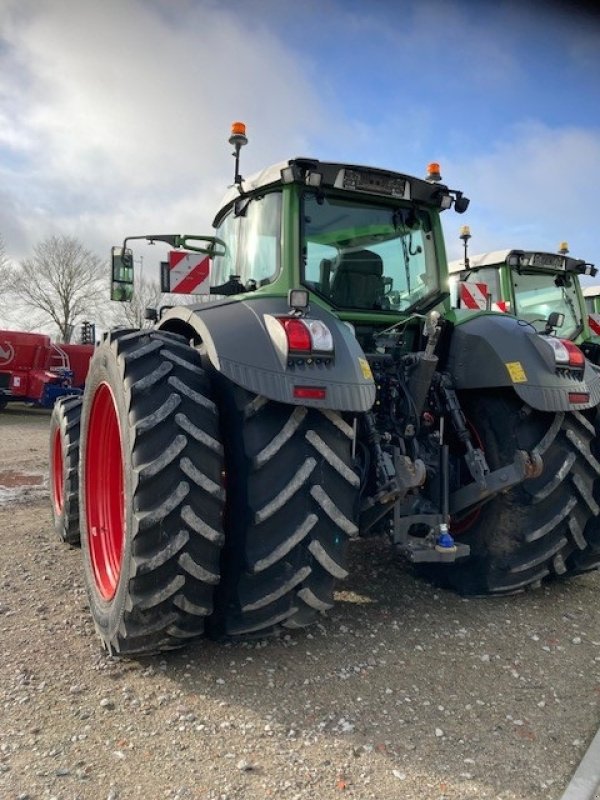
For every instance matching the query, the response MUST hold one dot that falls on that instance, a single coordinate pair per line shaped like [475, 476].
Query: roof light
[465, 233]
[433, 172]
[238, 133]
[515, 258]
[290, 174]
[563, 248]
[313, 179]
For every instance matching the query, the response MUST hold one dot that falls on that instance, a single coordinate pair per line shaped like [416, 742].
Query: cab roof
[491, 259]
[372, 181]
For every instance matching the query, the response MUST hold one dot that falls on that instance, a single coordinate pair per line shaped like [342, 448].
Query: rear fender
[239, 346]
[493, 351]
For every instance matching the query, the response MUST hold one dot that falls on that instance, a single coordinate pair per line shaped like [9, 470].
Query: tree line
[62, 284]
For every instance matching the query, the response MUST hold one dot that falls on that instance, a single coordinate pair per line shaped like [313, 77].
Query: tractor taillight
[578, 398]
[322, 340]
[566, 354]
[310, 392]
[576, 357]
[298, 335]
[307, 335]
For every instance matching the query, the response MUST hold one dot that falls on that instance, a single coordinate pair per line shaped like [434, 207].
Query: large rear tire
[588, 558]
[64, 466]
[151, 492]
[538, 529]
[292, 498]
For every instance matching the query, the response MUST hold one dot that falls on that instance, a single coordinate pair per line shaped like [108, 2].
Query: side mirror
[461, 203]
[122, 275]
[555, 320]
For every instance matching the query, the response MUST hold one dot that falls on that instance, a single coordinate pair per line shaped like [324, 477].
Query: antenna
[238, 139]
[465, 235]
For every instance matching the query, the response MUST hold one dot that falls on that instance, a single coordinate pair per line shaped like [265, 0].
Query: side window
[226, 265]
[252, 241]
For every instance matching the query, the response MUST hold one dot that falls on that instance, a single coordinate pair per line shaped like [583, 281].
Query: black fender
[491, 351]
[237, 342]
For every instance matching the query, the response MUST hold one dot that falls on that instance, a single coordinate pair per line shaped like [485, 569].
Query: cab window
[251, 232]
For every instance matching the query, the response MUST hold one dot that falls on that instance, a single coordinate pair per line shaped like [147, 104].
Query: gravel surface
[401, 692]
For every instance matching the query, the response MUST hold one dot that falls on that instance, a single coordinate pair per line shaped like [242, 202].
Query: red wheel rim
[104, 495]
[58, 483]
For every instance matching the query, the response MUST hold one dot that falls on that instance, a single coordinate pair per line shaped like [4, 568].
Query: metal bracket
[420, 551]
[526, 465]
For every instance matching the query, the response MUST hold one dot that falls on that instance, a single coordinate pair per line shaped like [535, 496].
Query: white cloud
[534, 188]
[119, 114]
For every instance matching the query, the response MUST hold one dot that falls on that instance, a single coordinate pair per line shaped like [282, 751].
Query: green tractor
[541, 288]
[591, 347]
[322, 390]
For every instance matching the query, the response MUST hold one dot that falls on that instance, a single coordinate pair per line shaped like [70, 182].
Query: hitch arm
[474, 457]
[526, 465]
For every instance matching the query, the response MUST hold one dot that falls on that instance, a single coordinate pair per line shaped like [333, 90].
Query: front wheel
[151, 492]
[539, 528]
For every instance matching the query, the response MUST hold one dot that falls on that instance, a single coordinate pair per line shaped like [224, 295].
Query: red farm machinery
[37, 371]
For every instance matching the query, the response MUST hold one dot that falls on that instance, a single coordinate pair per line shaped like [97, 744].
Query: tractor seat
[358, 280]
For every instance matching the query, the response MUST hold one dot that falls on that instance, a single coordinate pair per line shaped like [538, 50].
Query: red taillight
[576, 357]
[298, 335]
[579, 397]
[310, 392]
[566, 354]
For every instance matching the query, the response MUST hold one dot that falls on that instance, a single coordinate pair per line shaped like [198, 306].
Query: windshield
[368, 257]
[538, 294]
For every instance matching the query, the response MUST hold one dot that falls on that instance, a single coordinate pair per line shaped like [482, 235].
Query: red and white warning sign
[473, 295]
[502, 305]
[594, 323]
[188, 273]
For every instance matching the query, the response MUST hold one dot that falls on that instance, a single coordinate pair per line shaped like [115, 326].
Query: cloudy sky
[114, 115]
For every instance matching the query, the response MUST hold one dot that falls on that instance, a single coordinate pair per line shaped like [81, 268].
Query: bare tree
[6, 270]
[63, 281]
[146, 294]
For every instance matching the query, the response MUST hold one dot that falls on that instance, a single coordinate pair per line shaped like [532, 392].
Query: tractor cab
[366, 244]
[539, 287]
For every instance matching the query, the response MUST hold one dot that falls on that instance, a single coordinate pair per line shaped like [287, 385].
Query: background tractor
[591, 347]
[322, 391]
[541, 288]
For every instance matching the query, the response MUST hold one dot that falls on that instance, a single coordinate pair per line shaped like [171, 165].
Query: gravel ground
[401, 692]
